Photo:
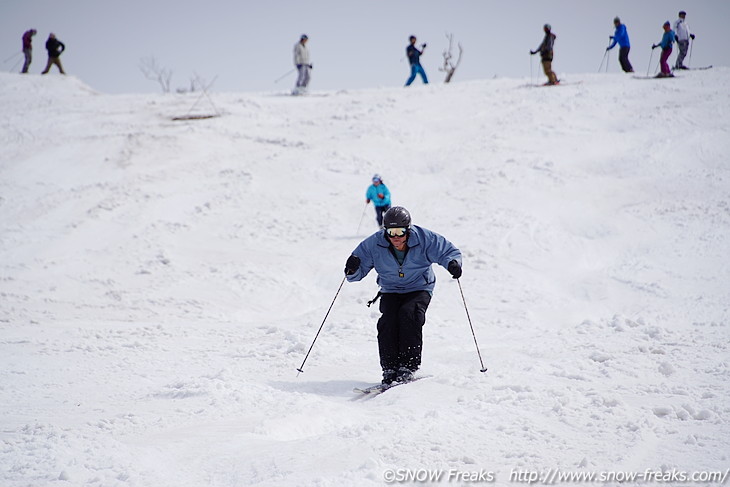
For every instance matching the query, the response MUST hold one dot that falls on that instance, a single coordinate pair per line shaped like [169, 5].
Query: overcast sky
[247, 44]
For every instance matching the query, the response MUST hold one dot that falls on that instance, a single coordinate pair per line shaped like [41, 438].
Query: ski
[559, 83]
[700, 69]
[380, 388]
[656, 77]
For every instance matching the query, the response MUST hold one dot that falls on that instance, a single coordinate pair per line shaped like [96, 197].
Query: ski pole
[691, 43]
[483, 369]
[301, 367]
[532, 77]
[11, 57]
[605, 54]
[608, 59]
[361, 217]
[15, 65]
[651, 58]
[284, 75]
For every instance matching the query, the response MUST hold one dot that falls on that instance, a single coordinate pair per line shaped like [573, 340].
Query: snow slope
[161, 281]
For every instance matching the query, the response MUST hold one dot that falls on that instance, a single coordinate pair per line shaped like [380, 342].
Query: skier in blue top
[621, 37]
[379, 194]
[666, 45]
[402, 256]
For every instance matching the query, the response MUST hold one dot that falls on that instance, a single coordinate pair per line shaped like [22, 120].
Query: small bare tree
[153, 71]
[450, 66]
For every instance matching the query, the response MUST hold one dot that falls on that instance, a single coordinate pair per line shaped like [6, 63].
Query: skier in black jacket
[546, 55]
[414, 58]
[54, 48]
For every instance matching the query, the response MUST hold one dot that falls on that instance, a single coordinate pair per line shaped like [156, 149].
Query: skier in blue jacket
[666, 45]
[379, 194]
[402, 256]
[621, 37]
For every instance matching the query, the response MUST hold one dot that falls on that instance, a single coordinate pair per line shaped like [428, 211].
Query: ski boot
[389, 376]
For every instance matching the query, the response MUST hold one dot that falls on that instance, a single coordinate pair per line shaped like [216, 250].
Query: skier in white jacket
[683, 35]
[303, 64]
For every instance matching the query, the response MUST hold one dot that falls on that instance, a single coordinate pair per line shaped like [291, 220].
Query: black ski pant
[400, 334]
[623, 58]
[379, 210]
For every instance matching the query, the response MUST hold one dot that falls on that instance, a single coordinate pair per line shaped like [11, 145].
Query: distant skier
[28, 48]
[303, 64]
[666, 45]
[683, 35]
[54, 48]
[414, 58]
[379, 194]
[546, 55]
[621, 37]
[402, 256]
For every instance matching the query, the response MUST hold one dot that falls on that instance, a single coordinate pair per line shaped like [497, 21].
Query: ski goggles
[396, 232]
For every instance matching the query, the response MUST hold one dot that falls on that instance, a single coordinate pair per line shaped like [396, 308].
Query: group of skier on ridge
[681, 35]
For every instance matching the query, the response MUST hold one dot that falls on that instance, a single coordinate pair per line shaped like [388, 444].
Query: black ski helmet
[397, 217]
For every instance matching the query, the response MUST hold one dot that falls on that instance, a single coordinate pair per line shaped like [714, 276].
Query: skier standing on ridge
[28, 48]
[303, 64]
[666, 45]
[683, 35]
[55, 48]
[379, 194]
[402, 256]
[414, 58]
[546, 55]
[621, 37]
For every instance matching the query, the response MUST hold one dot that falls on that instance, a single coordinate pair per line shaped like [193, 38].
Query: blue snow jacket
[372, 195]
[416, 274]
[667, 40]
[620, 36]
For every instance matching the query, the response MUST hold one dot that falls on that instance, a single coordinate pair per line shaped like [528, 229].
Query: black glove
[299, 66]
[532, 52]
[454, 269]
[653, 46]
[692, 36]
[352, 265]
[310, 66]
[608, 48]
[423, 46]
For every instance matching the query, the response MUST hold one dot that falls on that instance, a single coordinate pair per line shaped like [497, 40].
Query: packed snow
[161, 281]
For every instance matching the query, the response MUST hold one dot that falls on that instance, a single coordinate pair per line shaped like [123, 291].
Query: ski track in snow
[160, 282]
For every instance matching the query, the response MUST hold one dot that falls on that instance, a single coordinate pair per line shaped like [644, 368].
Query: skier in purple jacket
[28, 48]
